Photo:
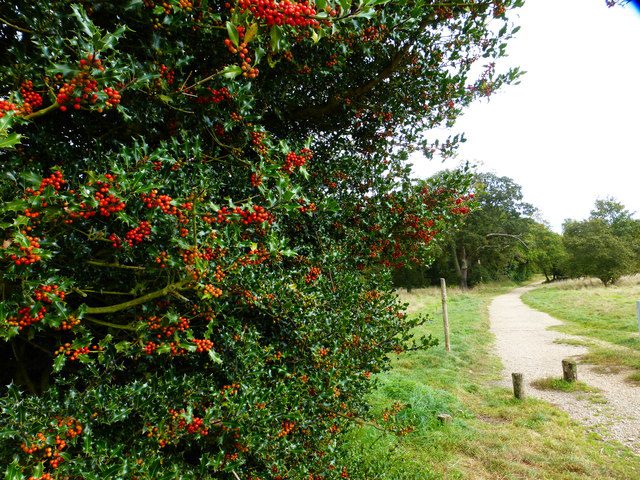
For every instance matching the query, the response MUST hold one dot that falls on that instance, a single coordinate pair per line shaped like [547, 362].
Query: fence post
[445, 314]
[518, 385]
[569, 370]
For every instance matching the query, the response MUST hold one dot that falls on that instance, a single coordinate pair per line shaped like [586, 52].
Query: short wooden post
[569, 370]
[445, 314]
[444, 418]
[518, 385]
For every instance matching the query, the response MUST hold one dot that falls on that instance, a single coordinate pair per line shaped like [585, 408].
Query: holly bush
[201, 205]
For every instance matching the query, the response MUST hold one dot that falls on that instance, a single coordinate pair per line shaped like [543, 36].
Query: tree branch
[508, 235]
[137, 301]
[397, 61]
[20, 29]
[114, 265]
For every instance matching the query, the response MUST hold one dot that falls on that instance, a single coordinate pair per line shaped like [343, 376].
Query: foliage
[605, 246]
[490, 244]
[546, 251]
[201, 202]
[594, 251]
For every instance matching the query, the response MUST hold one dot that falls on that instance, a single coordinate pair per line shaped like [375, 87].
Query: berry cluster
[196, 426]
[28, 253]
[254, 257]
[69, 323]
[155, 323]
[293, 160]
[163, 202]
[217, 96]
[68, 429]
[82, 89]
[137, 235]
[255, 214]
[31, 99]
[256, 180]
[26, 317]
[230, 390]
[161, 259]
[113, 97]
[286, 428]
[241, 50]
[54, 180]
[44, 293]
[285, 12]
[74, 354]
[306, 208]
[312, 275]
[203, 345]
[6, 106]
[167, 74]
[108, 203]
[257, 139]
[212, 291]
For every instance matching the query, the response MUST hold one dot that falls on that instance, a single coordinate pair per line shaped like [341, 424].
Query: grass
[492, 435]
[561, 385]
[604, 314]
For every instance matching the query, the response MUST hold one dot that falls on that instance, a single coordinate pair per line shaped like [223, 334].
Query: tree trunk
[464, 270]
[461, 265]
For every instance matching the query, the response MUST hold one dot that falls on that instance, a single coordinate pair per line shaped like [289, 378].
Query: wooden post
[638, 309]
[444, 418]
[569, 370]
[518, 385]
[445, 314]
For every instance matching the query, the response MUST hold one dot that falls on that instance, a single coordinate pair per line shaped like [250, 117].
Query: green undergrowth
[561, 385]
[492, 435]
[598, 313]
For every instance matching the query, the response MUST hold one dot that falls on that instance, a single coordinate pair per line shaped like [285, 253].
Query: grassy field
[492, 436]
[603, 314]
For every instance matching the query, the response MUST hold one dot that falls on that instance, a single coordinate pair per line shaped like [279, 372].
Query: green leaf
[87, 25]
[276, 35]
[233, 33]
[215, 358]
[59, 362]
[252, 31]
[10, 140]
[345, 6]
[231, 71]
[13, 471]
[109, 41]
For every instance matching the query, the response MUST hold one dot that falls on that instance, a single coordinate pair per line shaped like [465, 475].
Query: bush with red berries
[201, 205]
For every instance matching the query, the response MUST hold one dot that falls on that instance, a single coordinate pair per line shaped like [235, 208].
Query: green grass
[561, 385]
[492, 435]
[603, 314]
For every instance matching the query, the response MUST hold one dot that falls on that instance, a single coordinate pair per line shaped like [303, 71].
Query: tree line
[504, 237]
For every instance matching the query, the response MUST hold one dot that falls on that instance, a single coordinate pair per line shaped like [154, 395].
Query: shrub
[201, 205]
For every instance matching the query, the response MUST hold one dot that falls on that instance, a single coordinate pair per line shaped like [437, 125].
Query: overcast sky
[569, 133]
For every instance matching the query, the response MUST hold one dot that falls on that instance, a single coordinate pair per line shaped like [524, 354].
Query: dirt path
[525, 345]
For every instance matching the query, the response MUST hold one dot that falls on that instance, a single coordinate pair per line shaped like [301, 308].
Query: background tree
[490, 243]
[199, 217]
[606, 246]
[546, 251]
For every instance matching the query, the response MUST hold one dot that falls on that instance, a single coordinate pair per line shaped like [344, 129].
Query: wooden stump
[569, 370]
[518, 385]
[444, 418]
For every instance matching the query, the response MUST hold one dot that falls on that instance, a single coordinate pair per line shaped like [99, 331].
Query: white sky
[569, 133]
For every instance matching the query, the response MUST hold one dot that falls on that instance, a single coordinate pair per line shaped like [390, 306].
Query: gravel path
[525, 345]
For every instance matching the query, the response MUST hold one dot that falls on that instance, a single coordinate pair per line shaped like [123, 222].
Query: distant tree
[490, 243]
[594, 250]
[547, 251]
